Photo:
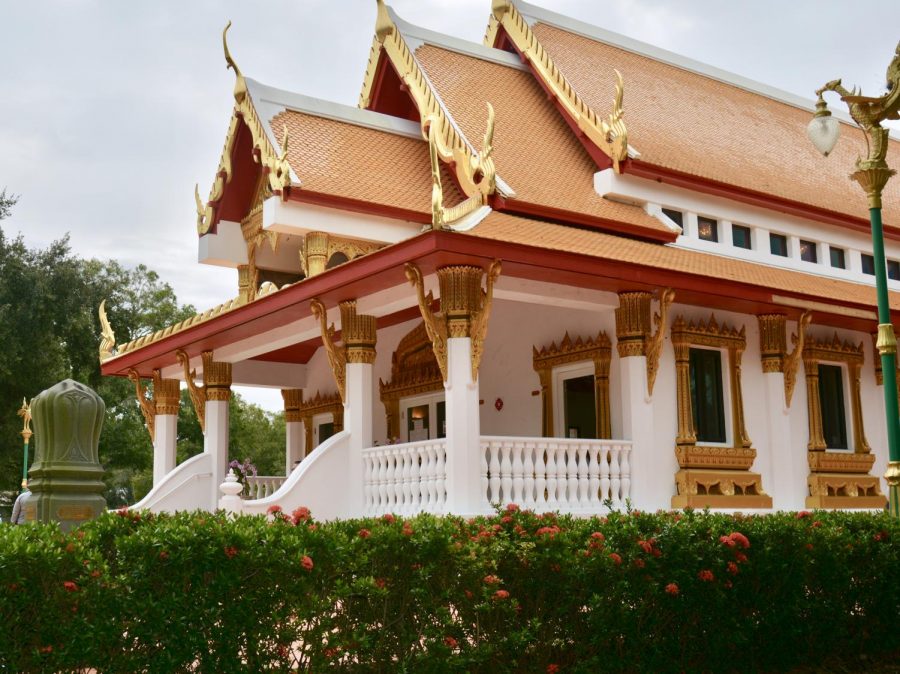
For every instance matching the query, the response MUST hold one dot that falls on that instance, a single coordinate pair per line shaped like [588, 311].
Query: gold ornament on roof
[107, 336]
[610, 134]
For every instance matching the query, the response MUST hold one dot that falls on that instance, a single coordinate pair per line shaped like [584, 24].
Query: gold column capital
[167, 394]
[358, 332]
[772, 341]
[632, 323]
[460, 288]
[314, 253]
[216, 378]
[293, 400]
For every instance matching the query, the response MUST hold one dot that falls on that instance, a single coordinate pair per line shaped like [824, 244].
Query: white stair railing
[261, 486]
[405, 479]
[563, 474]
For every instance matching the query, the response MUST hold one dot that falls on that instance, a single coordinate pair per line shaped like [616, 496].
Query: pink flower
[364, 533]
[706, 576]
[301, 514]
[501, 594]
[672, 589]
[70, 586]
[273, 509]
[306, 562]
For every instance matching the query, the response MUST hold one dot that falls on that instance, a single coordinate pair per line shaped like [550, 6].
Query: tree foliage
[7, 201]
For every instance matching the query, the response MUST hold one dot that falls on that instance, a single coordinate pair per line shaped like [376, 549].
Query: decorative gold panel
[702, 488]
[844, 490]
[414, 371]
[293, 399]
[166, 394]
[317, 248]
[598, 350]
[729, 458]
[321, 404]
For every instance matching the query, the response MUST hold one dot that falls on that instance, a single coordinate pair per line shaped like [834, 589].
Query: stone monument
[66, 478]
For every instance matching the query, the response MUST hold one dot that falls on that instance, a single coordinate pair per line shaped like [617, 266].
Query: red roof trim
[358, 206]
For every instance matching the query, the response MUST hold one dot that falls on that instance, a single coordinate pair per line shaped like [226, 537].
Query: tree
[6, 203]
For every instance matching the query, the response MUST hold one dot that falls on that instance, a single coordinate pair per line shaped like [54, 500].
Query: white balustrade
[570, 475]
[405, 479]
[263, 486]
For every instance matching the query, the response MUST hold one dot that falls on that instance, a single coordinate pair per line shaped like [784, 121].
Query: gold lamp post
[25, 413]
[872, 173]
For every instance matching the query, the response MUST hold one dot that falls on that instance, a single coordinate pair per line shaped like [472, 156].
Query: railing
[556, 473]
[262, 486]
[407, 478]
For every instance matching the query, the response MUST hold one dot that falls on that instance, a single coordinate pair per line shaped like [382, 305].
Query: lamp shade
[823, 131]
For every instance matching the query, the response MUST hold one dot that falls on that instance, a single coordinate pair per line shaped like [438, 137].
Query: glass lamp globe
[823, 129]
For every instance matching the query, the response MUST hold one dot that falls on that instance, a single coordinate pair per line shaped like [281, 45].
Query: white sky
[112, 110]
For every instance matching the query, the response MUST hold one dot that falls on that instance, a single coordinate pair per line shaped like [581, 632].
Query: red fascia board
[642, 169]
[358, 206]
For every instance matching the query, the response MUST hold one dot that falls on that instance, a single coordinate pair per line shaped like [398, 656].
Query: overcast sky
[112, 110]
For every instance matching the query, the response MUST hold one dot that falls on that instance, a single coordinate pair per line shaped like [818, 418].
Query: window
[831, 400]
[579, 407]
[893, 268]
[675, 216]
[423, 417]
[808, 251]
[837, 258]
[707, 399]
[417, 423]
[778, 244]
[868, 264]
[707, 229]
[740, 236]
[326, 430]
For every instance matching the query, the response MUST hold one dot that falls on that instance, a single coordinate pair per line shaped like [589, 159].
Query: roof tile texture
[687, 122]
[345, 160]
[535, 151]
[524, 231]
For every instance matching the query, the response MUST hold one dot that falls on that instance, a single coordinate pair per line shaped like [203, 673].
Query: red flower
[491, 580]
[727, 540]
[70, 547]
[122, 512]
[388, 518]
[506, 519]
[512, 508]
[230, 551]
[163, 555]
[740, 557]
[501, 594]
[803, 513]
[364, 533]
[550, 531]
[306, 562]
[468, 594]
[451, 642]
[706, 576]
[555, 568]
[46, 649]
[407, 529]
[639, 563]
[313, 527]
[672, 589]
[727, 584]
[733, 568]
[301, 514]
[880, 536]
[95, 574]
[809, 546]
[70, 586]
[646, 546]
[616, 558]
[598, 536]
[380, 582]
[817, 524]
[552, 669]
[740, 539]
[273, 509]
[12, 587]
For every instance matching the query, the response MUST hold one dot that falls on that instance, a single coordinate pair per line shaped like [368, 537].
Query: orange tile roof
[525, 231]
[688, 122]
[535, 152]
[341, 159]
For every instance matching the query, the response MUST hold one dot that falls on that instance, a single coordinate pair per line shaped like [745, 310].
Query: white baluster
[615, 481]
[485, 482]
[506, 473]
[367, 481]
[541, 455]
[572, 475]
[552, 476]
[518, 467]
[382, 480]
[408, 501]
[495, 472]
[391, 485]
[417, 485]
[594, 476]
[625, 460]
[528, 452]
[583, 474]
[427, 478]
[441, 472]
[604, 473]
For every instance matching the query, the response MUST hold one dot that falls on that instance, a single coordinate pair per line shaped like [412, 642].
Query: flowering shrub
[516, 592]
[243, 471]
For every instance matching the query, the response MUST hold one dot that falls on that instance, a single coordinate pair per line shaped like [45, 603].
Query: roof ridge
[534, 14]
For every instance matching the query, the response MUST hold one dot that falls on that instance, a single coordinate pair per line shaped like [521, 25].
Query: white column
[358, 421]
[295, 441]
[652, 462]
[165, 428]
[463, 431]
[215, 443]
[788, 485]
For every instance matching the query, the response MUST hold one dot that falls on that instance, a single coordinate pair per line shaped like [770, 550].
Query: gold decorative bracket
[474, 170]
[197, 393]
[792, 360]
[479, 322]
[610, 134]
[436, 329]
[275, 167]
[148, 409]
[337, 356]
[655, 341]
[107, 336]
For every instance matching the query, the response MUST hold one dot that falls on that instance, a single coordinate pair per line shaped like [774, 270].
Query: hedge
[516, 592]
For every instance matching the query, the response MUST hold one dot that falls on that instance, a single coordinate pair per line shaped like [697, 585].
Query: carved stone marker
[66, 478]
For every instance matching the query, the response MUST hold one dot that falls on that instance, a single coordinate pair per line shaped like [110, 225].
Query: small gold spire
[107, 336]
[240, 85]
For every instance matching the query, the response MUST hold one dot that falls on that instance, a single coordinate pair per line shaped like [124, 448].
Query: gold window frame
[598, 350]
[320, 404]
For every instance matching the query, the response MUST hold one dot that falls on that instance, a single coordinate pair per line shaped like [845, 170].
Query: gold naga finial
[107, 336]
[483, 162]
[25, 413]
[614, 126]
[284, 144]
[437, 190]
[240, 85]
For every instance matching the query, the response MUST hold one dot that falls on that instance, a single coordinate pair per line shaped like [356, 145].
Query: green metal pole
[888, 361]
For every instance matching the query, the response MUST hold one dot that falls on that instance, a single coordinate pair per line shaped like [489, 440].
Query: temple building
[560, 268]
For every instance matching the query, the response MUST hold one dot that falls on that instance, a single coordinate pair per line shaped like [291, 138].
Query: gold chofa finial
[107, 336]
[240, 86]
